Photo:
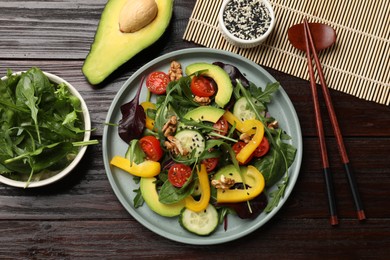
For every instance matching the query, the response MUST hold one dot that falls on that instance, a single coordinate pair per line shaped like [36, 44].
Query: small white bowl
[87, 125]
[239, 42]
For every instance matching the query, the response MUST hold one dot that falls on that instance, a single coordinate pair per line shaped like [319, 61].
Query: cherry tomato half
[237, 147]
[202, 87]
[157, 82]
[262, 149]
[178, 174]
[151, 146]
[221, 126]
[210, 163]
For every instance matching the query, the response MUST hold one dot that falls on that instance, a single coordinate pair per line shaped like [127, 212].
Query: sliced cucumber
[191, 140]
[201, 223]
[242, 110]
[197, 190]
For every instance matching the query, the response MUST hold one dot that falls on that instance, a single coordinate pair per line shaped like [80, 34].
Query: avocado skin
[225, 87]
[112, 48]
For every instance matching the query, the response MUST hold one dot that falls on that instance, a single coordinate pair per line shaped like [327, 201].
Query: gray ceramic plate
[122, 183]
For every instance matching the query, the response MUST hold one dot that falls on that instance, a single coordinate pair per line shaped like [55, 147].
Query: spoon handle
[335, 126]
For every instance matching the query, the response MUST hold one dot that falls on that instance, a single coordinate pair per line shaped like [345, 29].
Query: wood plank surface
[80, 216]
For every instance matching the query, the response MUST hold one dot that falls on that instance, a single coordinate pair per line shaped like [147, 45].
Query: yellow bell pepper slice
[250, 147]
[203, 202]
[233, 120]
[251, 126]
[149, 123]
[147, 168]
[252, 178]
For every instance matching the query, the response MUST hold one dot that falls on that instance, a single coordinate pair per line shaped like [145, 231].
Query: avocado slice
[225, 87]
[231, 172]
[150, 195]
[205, 113]
[112, 48]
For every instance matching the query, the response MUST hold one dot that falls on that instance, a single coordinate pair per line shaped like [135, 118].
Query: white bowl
[87, 125]
[242, 43]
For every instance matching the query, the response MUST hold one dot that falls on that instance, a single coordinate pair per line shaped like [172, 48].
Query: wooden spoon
[323, 36]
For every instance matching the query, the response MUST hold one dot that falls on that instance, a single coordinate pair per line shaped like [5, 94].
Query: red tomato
[151, 146]
[262, 149]
[202, 87]
[237, 147]
[222, 126]
[210, 163]
[157, 82]
[178, 174]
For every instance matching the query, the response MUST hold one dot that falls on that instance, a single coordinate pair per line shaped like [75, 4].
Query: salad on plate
[203, 145]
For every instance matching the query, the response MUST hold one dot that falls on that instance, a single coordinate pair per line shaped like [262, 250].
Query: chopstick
[321, 136]
[310, 49]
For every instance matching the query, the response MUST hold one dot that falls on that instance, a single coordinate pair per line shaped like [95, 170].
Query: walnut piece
[174, 146]
[245, 137]
[223, 183]
[273, 125]
[170, 127]
[203, 101]
[175, 72]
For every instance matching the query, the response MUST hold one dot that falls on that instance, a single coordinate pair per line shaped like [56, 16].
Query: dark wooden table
[80, 217]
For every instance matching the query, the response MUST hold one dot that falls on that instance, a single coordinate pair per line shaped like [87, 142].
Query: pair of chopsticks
[311, 50]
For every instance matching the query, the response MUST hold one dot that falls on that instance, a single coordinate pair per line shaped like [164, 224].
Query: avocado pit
[136, 14]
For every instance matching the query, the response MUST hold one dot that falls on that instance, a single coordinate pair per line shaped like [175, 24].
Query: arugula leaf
[138, 199]
[135, 153]
[163, 113]
[25, 95]
[264, 96]
[40, 125]
[279, 160]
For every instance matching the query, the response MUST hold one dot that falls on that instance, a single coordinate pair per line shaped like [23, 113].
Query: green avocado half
[225, 87]
[112, 48]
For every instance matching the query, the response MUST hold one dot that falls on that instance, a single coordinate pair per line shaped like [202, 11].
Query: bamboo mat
[358, 64]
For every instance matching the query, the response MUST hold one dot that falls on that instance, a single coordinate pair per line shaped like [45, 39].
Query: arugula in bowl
[43, 123]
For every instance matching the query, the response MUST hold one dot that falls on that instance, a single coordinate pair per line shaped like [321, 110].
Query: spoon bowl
[323, 36]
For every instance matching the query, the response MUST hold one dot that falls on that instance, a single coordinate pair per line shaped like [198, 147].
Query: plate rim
[198, 240]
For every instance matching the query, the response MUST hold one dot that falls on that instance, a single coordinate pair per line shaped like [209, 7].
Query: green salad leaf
[281, 155]
[41, 125]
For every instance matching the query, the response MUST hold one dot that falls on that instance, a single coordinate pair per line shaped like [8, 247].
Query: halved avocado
[150, 195]
[225, 87]
[112, 48]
